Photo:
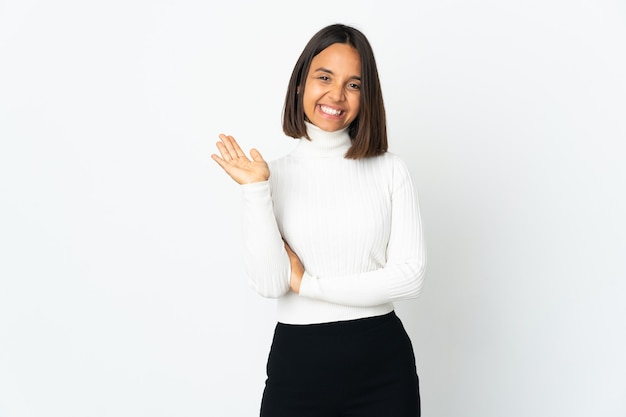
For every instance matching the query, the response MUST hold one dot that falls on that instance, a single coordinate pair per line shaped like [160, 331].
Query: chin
[330, 127]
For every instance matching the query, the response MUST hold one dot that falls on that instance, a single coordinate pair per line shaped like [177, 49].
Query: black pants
[363, 368]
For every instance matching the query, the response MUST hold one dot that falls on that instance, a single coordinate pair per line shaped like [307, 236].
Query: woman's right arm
[266, 261]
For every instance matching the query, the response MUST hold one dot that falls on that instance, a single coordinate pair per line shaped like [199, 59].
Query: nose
[337, 92]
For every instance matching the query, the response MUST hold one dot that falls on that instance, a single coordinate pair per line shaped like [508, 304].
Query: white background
[122, 291]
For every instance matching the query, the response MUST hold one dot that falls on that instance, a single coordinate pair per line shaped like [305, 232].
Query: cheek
[356, 104]
[308, 99]
[307, 103]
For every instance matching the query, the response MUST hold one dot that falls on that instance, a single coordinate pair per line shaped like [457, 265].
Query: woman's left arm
[403, 275]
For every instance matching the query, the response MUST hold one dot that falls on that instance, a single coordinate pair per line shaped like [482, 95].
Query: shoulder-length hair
[369, 130]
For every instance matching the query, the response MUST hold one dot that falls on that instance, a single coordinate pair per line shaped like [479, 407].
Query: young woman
[333, 231]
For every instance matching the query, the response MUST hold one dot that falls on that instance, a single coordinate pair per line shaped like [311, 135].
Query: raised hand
[236, 164]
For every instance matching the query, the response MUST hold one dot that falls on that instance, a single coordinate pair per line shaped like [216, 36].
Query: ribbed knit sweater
[354, 224]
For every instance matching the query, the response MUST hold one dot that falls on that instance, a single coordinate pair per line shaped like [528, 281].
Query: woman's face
[332, 88]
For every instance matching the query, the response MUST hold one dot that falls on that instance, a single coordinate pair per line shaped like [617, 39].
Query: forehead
[338, 57]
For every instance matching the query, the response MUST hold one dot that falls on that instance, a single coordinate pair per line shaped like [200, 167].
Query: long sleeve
[266, 261]
[354, 224]
[403, 274]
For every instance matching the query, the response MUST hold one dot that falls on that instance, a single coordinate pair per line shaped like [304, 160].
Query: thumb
[256, 155]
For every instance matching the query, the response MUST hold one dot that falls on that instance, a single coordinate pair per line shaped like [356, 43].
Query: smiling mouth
[330, 111]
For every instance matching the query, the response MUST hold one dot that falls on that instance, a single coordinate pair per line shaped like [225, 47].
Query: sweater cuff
[256, 190]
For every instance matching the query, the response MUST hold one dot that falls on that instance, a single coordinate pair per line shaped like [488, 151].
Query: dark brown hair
[369, 130]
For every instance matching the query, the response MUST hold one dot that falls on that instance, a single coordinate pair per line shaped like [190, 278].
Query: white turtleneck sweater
[354, 224]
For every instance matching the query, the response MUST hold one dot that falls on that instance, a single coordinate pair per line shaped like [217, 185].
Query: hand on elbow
[297, 270]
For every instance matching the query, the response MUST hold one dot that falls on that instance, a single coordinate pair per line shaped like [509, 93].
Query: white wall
[121, 286]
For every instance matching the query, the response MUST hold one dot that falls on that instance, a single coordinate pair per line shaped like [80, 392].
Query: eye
[354, 86]
[323, 77]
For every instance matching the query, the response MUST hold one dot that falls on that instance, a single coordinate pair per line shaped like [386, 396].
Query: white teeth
[330, 111]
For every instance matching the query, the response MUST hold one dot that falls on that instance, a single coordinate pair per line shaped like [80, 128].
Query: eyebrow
[354, 77]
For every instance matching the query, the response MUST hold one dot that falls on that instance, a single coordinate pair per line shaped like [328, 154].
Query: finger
[224, 146]
[236, 147]
[256, 155]
[288, 248]
[226, 156]
[219, 160]
[231, 145]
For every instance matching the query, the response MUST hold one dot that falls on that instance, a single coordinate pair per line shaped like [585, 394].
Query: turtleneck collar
[323, 144]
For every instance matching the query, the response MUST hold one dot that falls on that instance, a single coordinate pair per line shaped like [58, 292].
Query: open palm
[236, 164]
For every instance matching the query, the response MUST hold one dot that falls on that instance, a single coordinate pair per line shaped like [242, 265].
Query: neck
[323, 144]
